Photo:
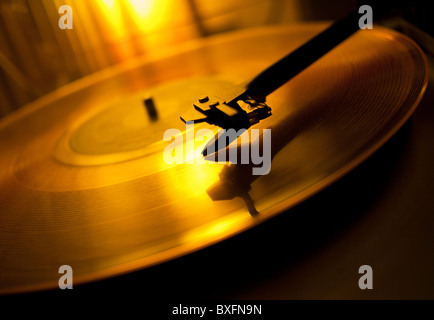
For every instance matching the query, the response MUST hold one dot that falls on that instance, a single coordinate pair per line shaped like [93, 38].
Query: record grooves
[80, 186]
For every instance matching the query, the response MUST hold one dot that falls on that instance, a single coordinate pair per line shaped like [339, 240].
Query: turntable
[85, 183]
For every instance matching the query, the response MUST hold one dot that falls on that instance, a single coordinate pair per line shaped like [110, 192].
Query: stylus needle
[244, 105]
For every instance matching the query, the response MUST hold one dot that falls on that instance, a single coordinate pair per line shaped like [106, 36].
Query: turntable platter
[84, 182]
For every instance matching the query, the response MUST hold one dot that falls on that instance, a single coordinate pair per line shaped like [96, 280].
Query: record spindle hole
[150, 108]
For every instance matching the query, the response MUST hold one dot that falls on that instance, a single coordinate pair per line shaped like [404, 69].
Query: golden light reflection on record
[79, 186]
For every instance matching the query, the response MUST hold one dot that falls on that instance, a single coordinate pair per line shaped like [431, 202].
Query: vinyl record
[84, 183]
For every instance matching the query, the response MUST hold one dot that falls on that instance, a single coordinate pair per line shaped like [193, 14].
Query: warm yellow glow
[141, 8]
[112, 15]
[110, 4]
[148, 15]
[201, 177]
[132, 18]
[219, 228]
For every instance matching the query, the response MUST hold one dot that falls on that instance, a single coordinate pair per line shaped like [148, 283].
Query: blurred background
[37, 57]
